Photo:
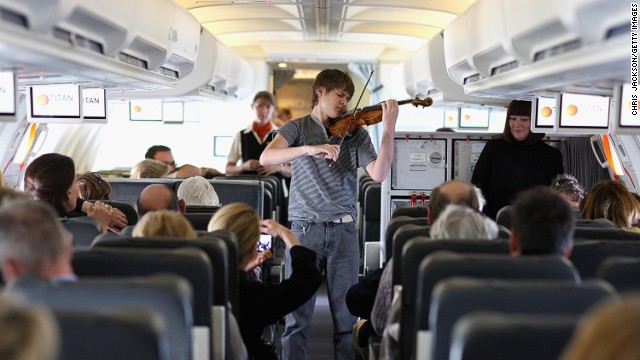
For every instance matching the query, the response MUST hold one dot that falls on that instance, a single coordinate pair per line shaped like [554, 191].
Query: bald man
[159, 197]
[451, 192]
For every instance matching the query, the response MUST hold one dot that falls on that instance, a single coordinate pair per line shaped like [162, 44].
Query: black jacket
[262, 304]
[504, 169]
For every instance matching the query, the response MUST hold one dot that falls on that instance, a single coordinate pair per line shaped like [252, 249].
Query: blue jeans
[336, 247]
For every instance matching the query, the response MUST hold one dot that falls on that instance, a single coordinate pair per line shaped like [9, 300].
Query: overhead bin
[526, 48]
[426, 75]
[117, 44]
[232, 76]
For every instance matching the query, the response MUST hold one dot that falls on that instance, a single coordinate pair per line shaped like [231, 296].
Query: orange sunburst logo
[546, 111]
[42, 100]
[572, 110]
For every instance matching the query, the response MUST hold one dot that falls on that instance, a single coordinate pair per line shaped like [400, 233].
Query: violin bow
[354, 111]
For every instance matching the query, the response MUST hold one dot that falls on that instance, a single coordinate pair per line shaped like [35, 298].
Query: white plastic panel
[456, 48]
[485, 41]
[535, 26]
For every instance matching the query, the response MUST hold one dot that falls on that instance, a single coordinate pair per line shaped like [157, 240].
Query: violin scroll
[426, 102]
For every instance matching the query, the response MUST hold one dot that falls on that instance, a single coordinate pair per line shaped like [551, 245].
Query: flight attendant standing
[249, 143]
[516, 161]
[322, 200]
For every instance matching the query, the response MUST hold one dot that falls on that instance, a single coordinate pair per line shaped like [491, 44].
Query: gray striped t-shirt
[319, 192]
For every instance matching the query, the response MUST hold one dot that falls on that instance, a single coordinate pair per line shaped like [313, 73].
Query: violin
[350, 120]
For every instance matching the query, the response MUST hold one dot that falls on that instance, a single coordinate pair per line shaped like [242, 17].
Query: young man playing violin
[323, 197]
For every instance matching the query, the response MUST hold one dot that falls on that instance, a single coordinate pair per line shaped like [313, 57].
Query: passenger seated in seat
[33, 242]
[149, 169]
[159, 197]
[569, 188]
[163, 153]
[463, 222]
[542, 224]
[262, 304]
[612, 201]
[164, 223]
[197, 190]
[385, 309]
[28, 333]
[51, 178]
[93, 187]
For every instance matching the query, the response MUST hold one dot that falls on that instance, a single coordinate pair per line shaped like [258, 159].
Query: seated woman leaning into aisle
[262, 304]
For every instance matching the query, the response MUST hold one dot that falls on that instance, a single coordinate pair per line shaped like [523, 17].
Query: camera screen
[265, 242]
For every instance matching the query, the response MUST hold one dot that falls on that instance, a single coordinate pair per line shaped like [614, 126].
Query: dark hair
[264, 95]
[330, 79]
[543, 221]
[49, 177]
[519, 108]
[151, 152]
[439, 200]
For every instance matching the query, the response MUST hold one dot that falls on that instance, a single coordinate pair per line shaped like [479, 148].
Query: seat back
[83, 228]
[522, 337]
[406, 265]
[201, 209]
[420, 211]
[622, 272]
[587, 255]
[190, 263]
[451, 301]
[588, 233]
[199, 221]
[393, 225]
[406, 233]
[112, 334]
[128, 208]
[168, 295]
[371, 213]
[130, 189]
[247, 191]
[416, 290]
[215, 248]
[503, 217]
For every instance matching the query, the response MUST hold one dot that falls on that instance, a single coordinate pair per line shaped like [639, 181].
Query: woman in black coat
[517, 161]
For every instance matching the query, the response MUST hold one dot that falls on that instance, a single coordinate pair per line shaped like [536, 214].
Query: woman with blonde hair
[149, 169]
[28, 333]
[164, 223]
[610, 331]
[262, 304]
[612, 201]
[93, 187]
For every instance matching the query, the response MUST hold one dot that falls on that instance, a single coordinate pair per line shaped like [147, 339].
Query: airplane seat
[202, 209]
[420, 211]
[167, 295]
[586, 256]
[393, 225]
[503, 232]
[112, 334]
[231, 241]
[522, 337]
[225, 275]
[406, 265]
[362, 188]
[604, 234]
[622, 272]
[230, 190]
[404, 234]
[595, 224]
[417, 290]
[190, 263]
[451, 301]
[130, 189]
[83, 228]
[129, 208]
[199, 221]
[503, 217]
[127, 231]
[371, 213]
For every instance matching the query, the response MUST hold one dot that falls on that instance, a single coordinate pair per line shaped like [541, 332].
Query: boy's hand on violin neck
[325, 151]
[390, 114]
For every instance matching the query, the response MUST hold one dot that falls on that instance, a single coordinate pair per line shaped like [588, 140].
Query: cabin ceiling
[325, 31]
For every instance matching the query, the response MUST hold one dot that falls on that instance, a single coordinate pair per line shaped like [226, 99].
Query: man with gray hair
[463, 222]
[33, 242]
[197, 190]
